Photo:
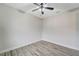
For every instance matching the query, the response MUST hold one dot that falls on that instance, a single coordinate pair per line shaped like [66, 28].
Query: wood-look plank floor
[42, 48]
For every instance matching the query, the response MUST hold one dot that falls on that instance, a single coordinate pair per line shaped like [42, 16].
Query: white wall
[62, 29]
[17, 29]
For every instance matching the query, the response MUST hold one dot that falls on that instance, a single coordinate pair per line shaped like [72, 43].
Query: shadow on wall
[77, 29]
[3, 36]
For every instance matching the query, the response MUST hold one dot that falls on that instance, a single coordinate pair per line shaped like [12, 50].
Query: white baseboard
[6, 50]
[61, 44]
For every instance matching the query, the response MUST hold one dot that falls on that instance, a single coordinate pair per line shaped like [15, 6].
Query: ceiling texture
[58, 8]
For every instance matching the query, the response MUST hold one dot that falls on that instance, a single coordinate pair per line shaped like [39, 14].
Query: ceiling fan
[42, 7]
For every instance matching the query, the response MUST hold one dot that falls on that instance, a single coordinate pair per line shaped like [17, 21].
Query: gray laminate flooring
[42, 48]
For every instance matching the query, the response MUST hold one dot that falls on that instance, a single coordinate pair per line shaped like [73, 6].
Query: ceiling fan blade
[36, 9]
[50, 8]
[36, 4]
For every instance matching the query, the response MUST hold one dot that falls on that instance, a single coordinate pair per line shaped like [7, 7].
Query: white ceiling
[58, 8]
